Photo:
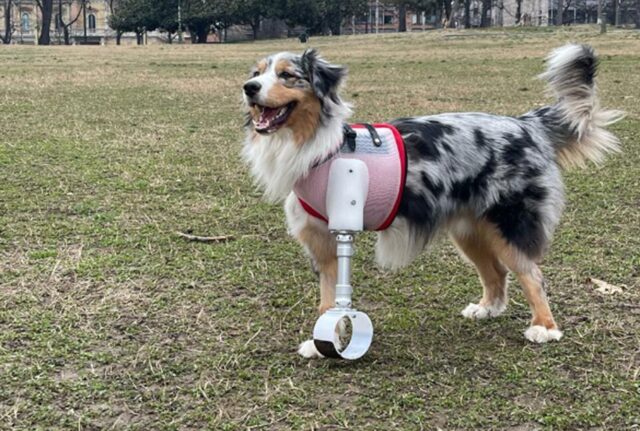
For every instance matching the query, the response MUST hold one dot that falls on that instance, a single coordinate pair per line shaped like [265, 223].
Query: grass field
[108, 320]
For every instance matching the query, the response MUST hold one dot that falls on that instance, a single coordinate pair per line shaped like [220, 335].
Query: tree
[602, 15]
[8, 25]
[199, 16]
[402, 17]
[225, 14]
[137, 16]
[455, 4]
[518, 11]
[320, 16]
[638, 14]
[485, 18]
[113, 5]
[416, 6]
[419, 6]
[66, 25]
[46, 10]
[467, 13]
[560, 13]
[166, 12]
[252, 12]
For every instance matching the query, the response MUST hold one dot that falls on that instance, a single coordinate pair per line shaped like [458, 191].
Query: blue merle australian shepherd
[493, 183]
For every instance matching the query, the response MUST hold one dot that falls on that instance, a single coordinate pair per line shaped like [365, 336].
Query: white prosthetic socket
[347, 190]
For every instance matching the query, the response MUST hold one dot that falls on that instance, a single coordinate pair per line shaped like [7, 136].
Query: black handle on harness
[374, 134]
[349, 137]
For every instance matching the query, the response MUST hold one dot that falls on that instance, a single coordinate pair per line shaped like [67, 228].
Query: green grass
[109, 320]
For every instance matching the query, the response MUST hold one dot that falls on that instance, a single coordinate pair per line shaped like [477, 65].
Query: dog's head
[292, 91]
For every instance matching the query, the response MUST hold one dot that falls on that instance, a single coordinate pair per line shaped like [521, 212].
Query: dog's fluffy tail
[577, 123]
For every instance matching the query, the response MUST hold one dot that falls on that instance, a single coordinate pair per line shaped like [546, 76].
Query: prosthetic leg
[347, 190]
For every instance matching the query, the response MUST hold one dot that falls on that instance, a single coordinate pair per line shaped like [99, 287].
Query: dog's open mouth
[271, 119]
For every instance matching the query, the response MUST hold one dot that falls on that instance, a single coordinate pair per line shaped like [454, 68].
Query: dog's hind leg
[492, 272]
[543, 326]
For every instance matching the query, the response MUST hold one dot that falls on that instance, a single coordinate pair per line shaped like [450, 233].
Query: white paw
[540, 334]
[477, 311]
[307, 349]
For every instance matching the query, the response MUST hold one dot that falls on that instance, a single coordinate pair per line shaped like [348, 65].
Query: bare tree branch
[221, 238]
[83, 4]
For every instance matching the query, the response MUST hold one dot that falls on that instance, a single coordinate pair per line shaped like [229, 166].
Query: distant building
[27, 22]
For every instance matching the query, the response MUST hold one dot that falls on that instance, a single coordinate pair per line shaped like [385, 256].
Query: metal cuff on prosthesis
[347, 190]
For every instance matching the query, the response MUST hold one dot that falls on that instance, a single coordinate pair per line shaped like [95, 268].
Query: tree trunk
[560, 12]
[485, 21]
[67, 39]
[454, 13]
[439, 14]
[638, 14]
[446, 11]
[201, 34]
[467, 13]
[518, 11]
[118, 37]
[402, 17]
[255, 25]
[617, 5]
[602, 16]
[336, 26]
[47, 11]
[84, 24]
[6, 39]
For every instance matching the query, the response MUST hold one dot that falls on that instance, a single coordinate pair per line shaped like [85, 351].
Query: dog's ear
[325, 78]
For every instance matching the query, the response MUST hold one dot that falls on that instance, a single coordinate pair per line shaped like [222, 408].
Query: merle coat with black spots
[493, 183]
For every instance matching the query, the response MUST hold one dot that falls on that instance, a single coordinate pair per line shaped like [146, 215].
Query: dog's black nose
[251, 88]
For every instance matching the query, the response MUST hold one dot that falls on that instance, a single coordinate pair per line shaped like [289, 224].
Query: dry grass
[109, 320]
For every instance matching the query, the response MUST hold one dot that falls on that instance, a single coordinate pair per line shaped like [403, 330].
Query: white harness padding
[347, 191]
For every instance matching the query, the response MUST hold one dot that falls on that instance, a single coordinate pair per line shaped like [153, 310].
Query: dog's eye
[255, 73]
[286, 75]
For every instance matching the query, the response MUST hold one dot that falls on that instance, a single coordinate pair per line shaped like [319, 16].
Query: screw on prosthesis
[347, 190]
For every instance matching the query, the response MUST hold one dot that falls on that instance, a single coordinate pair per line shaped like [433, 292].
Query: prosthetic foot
[346, 196]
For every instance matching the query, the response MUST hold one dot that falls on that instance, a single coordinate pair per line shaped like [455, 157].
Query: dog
[493, 183]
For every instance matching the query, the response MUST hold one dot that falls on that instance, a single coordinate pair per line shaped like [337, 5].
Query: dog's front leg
[320, 244]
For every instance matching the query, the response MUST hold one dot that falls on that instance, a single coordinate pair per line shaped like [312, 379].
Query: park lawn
[109, 320]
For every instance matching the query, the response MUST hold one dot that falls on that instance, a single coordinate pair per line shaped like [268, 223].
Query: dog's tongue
[266, 117]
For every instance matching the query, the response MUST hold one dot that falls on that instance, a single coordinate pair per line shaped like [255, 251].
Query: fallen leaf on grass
[604, 287]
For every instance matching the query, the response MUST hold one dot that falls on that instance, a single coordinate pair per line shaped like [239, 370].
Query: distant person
[304, 37]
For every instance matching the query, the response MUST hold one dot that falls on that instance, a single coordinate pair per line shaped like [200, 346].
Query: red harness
[382, 149]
